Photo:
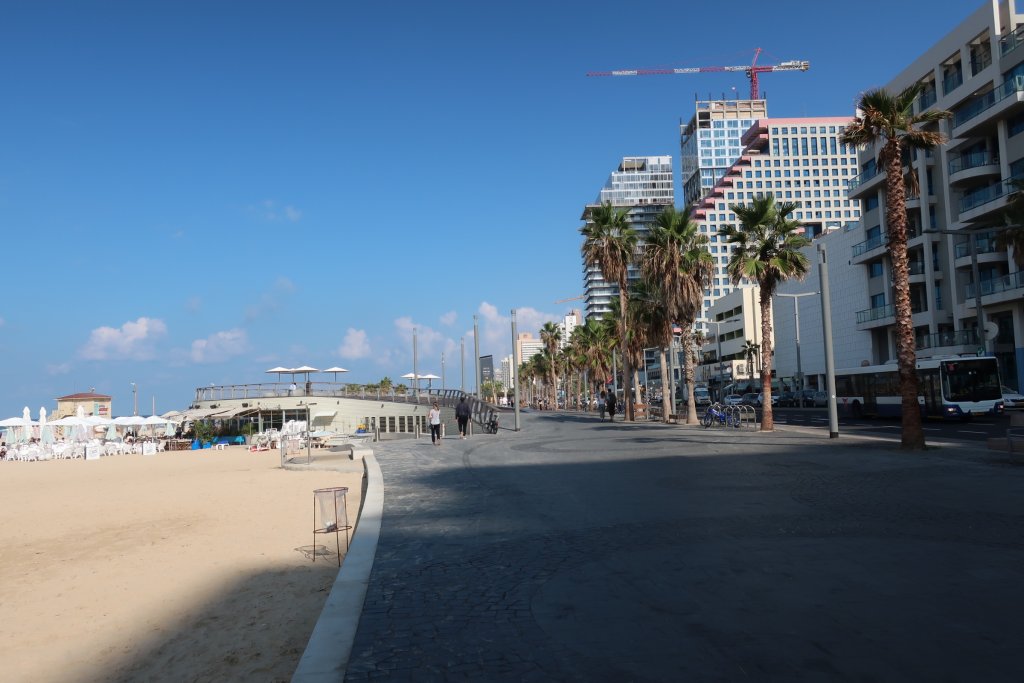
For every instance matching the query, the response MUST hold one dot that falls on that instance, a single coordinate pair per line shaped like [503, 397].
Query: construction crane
[572, 298]
[751, 71]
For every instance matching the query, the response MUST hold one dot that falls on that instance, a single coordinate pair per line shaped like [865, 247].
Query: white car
[733, 399]
[1012, 400]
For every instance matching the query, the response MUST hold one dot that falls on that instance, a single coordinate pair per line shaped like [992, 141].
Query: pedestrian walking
[602, 403]
[611, 406]
[462, 413]
[434, 418]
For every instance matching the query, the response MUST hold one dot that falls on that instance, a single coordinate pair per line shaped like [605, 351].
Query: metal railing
[980, 61]
[872, 314]
[952, 81]
[1006, 283]
[972, 160]
[1009, 42]
[986, 245]
[989, 193]
[867, 245]
[927, 99]
[988, 100]
[861, 178]
[940, 339]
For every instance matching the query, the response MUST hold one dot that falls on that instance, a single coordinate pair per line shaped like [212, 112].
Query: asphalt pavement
[583, 550]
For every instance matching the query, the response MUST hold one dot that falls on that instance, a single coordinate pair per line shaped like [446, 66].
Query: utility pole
[826, 324]
[515, 371]
[796, 314]
[476, 355]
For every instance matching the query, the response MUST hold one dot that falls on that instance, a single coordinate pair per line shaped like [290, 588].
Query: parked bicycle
[720, 415]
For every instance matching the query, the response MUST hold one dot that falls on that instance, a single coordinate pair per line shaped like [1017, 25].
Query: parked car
[806, 397]
[1012, 400]
[749, 400]
[820, 399]
[733, 400]
[787, 398]
[760, 400]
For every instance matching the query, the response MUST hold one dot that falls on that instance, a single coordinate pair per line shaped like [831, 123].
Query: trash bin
[330, 516]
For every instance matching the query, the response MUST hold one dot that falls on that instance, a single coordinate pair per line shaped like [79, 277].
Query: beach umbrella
[111, 433]
[278, 370]
[304, 370]
[335, 370]
[169, 432]
[45, 430]
[429, 378]
[17, 428]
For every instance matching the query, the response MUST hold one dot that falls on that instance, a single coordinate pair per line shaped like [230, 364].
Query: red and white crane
[751, 71]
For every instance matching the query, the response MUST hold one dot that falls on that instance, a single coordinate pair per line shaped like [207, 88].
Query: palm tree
[652, 321]
[551, 337]
[676, 255]
[889, 121]
[766, 251]
[595, 345]
[610, 244]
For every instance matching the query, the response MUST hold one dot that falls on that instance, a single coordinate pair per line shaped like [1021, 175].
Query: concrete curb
[330, 645]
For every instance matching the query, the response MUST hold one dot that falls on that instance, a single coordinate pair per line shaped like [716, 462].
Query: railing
[939, 339]
[986, 245]
[273, 390]
[861, 178]
[988, 100]
[871, 314]
[972, 160]
[980, 62]
[952, 81]
[916, 267]
[1009, 42]
[973, 200]
[1006, 283]
[868, 244]
[926, 99]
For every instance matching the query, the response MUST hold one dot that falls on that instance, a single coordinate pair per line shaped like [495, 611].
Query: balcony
[945, 340]
[1009, 42]
[952, 81]
[926, 99]
[1007, 284]
[870, 315]
[980, 61]
[862, 249]
[859, 185]
[983, 201]
[986, 107]
[971, 166]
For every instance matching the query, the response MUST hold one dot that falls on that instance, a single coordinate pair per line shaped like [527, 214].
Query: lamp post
[975, 276]
[135, 398]
[415, 371]
[515, 371]
[796, 314]
[476, 355]
[826, 325]
[308, 439]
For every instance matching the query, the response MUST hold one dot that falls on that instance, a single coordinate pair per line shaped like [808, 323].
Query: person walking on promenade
[462, 416]
[611, 406]
[434, 418]
[601, 404]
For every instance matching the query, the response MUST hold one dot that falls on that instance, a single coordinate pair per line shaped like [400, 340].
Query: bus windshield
[977, 381]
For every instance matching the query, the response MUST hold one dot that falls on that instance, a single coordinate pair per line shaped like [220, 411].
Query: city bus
[949, 388]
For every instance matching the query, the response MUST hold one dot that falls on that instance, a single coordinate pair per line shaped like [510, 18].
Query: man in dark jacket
[462, 414]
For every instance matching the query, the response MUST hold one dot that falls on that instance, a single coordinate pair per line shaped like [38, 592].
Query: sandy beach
[184, 566]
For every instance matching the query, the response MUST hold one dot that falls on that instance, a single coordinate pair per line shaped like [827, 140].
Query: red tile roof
[71, 397]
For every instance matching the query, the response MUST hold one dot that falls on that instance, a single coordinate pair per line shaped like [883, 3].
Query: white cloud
[269, 210]
[496, 329]
[133, 340]
[355, 344]
[220, 346]
[58, 368]
[449, 318]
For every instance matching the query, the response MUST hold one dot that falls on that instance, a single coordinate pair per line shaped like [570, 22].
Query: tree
[750, 352]
[766, 250]
[386, 385]
[888, 121]
[595, 344]
[652, 322]
[610, 244]
[551, 337]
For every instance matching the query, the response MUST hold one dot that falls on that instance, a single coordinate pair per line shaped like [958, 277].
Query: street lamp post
[135, 399]
[515, 370]
[975, 276]
[796, 314]
[415, 372]
[826, 328]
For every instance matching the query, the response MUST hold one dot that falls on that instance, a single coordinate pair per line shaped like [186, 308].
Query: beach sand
[183, 566]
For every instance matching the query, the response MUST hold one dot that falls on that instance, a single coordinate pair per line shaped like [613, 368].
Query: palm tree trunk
[767, 417]
[627, 365]
[691, 398]
[906, 356]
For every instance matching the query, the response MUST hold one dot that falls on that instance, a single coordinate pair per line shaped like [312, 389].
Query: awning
[325, 415]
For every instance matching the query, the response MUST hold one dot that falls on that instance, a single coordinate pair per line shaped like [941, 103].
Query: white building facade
[976, 72]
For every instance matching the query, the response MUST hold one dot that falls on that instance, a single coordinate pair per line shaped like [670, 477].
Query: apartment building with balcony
[797, 160]
[644, 186]
[711, 141]
[977, 73]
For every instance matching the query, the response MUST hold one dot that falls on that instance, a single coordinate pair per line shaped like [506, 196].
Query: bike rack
[734, 416]
[747, 416]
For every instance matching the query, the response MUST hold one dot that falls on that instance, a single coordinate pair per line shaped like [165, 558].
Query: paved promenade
[589, 551]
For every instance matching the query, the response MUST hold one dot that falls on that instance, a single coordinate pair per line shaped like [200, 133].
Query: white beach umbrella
[45, 430]
[278, 370]
[111, 433]
[304, 370]
[335, 370]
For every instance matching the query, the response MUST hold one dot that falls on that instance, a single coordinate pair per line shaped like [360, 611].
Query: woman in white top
[434, 418]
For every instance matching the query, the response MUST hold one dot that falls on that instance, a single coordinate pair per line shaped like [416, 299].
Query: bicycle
[723, 416]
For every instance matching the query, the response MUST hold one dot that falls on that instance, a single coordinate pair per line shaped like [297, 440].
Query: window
[877, 300]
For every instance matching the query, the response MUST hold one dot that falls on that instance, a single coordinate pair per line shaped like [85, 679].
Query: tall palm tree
[676, 255]
[766, 251]
[750, 352]
[551, 337]
[888, 121]
[596, 346]
[651, 318]
[610, 244]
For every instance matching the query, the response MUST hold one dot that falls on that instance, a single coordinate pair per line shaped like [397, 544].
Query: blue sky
[194, 192]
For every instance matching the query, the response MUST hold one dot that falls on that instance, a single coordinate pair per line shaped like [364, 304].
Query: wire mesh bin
[330, 516]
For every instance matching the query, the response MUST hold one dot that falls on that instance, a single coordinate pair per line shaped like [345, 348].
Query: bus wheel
[856, 410]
